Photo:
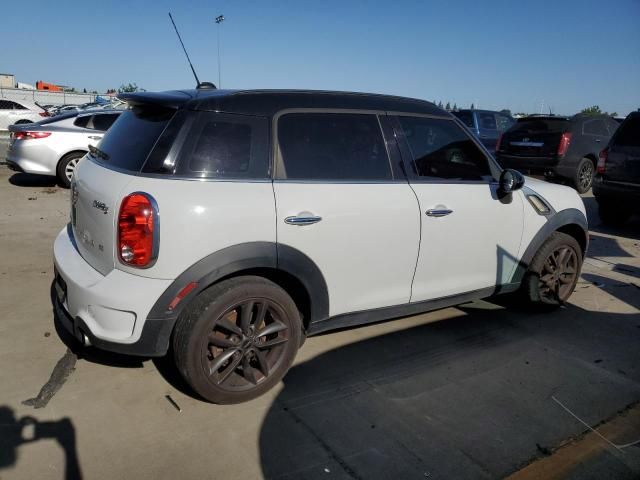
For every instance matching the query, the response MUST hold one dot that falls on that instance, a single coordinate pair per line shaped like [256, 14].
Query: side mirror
[510, 181]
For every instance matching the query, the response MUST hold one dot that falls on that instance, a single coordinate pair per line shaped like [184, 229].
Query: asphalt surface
[492, 391]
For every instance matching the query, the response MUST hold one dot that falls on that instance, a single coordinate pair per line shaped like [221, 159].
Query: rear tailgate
[623, 159]
[534, 137]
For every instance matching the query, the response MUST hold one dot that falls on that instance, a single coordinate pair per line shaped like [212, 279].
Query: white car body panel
[31, 113]
[366, 244]
[477, 246]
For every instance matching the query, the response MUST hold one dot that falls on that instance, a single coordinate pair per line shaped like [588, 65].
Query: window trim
[409, 163]
[397, 176]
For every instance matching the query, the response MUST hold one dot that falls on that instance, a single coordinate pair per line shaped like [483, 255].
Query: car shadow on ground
[468, 397]
[16, 432]
[32, 180]
[631, 229]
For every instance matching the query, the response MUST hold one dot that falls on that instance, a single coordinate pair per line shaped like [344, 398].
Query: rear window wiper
[96, 152]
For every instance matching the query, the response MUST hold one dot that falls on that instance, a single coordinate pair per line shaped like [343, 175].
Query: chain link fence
[44, 97]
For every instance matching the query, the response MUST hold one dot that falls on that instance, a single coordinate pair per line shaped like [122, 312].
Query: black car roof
[268, 102]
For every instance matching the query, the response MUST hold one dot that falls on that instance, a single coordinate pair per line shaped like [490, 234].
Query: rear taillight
[138, 230]
[44, 114]
[499, 142]
[30, 135]
[565, 140]
[602, 161]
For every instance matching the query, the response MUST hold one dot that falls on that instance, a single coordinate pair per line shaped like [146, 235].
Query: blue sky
[562, 54]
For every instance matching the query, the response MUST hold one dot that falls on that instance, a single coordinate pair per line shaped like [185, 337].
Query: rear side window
[466, 118]
[628, 134]
[332, 146]
[128, 143]
[103, 121]
[595, 127]
[9, 105]
[226, 146]
[442, 151]
[487, 121]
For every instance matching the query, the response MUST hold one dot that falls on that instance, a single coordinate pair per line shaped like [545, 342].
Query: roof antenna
[198, 84]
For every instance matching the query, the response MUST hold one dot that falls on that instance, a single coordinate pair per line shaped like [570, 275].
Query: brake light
[565, 141]
[499, 142]
[602, 161]
[138, 230]
[44, 114]
[29, 135]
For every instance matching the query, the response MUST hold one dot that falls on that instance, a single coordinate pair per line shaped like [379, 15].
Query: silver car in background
[18, 112]
[54, 146]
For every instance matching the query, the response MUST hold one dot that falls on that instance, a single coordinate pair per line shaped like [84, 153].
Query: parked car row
[17, 112]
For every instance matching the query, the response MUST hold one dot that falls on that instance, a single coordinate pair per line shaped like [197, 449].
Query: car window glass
[594, 127]
[628, 134]
[17, 106]
[486, 121]
[82, 121]
[466, 118]
[104, 121]
[612, 125]
[332, 146]
[503, 122]
[226, 146]
[443, 151]
[6, 105]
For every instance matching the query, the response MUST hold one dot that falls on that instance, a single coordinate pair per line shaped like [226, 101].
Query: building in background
[40, 85]
[7, 80]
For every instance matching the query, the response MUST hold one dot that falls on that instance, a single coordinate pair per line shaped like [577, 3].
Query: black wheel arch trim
[241, 257]
[569, 216]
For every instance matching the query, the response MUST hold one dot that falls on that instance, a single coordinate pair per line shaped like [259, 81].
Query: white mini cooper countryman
[226, 226]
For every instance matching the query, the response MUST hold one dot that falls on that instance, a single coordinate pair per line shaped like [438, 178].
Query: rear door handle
[95, 137]
[302, 220]
[438, 212]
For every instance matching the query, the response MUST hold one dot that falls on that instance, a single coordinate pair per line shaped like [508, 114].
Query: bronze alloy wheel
[559, 274]
[245, 345]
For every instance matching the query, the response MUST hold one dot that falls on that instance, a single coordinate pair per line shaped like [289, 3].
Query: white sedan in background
[17, 112]
[54, 146]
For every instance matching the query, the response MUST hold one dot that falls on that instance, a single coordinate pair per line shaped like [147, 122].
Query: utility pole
[219, 20]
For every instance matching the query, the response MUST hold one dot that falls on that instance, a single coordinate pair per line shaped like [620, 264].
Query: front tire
[237, 339]
[66, 167]
[583, 179]
[553, 272]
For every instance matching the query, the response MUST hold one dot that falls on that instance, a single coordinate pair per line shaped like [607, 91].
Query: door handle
[302, 220]
[438, 212]
[597, 140]
[95, 137]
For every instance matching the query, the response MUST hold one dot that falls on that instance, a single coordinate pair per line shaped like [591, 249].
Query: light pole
[219, 20]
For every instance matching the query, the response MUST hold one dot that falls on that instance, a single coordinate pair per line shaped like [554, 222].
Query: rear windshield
[128, 142]
[628, 134]
[542, 124]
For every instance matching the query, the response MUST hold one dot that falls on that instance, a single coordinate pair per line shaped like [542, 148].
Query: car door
[470, 238]
[340, 202]
[596, 135]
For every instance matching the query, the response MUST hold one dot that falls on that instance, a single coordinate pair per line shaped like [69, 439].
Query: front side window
[225, 146]
[441, 150]
[332, 146]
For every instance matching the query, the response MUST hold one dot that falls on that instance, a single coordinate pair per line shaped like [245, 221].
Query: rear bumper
[110, 310]
[619, 192]
[35, 158]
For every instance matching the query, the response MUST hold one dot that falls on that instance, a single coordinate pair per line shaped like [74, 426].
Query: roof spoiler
[173, 99]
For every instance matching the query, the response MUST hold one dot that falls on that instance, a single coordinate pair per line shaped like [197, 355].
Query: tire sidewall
[63, 181]
[576, 180]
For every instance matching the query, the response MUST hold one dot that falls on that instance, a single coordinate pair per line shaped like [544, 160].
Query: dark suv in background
[486, 125]
[617, 183]
[564, 147]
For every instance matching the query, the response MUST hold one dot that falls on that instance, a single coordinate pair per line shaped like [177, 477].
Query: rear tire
[613, 214]
[553, 272]
[22, 122]
[583, 178]
[237, 339]
[66, 168]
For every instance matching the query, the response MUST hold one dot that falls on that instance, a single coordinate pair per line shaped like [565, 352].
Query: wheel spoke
[220, 359]
[221, 342]
[246, 312]
[271, 343]
[247, 370]
[229, 326]
[261, 315]
[262, 362]
[230, 369]
[274, 327]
